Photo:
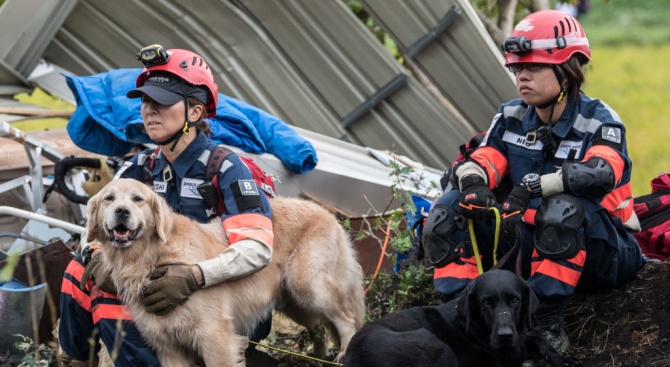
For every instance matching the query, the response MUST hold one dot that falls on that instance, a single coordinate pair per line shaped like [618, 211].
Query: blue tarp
[107, 122]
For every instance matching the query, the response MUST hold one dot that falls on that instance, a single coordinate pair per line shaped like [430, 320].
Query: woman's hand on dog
[170, 286]
[94, 270]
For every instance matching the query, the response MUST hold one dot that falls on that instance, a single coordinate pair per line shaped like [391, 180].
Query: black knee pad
[437, 242]
[558, 222]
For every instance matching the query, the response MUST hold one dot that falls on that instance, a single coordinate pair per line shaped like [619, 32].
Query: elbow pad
[593, 178]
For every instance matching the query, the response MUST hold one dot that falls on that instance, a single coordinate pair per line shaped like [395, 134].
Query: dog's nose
[122, 212]
[504, 337]
[505, 333]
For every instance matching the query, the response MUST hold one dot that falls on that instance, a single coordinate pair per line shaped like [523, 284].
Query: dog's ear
[530, 304]
[94, 229]
[162, 218]
[467, 301]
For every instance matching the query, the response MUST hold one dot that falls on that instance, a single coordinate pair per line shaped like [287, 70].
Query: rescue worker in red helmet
[569, 203]
[178, 91]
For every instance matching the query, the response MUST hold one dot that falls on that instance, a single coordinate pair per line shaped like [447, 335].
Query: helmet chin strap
[559, 97]
[177, 135]
[187, 124]
[552, 103]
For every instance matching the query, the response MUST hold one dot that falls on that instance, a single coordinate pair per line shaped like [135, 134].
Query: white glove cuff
[240, 259]
[552, 184]
[470, 169]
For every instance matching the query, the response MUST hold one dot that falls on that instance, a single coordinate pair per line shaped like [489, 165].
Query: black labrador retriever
[489, 324]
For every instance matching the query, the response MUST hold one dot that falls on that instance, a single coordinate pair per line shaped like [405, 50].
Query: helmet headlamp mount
[153, 55]
[517, 45]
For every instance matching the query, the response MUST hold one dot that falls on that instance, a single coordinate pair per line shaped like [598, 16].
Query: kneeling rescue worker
[559, 163]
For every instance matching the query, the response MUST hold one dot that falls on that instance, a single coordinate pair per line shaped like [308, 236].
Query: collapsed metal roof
[311, 63]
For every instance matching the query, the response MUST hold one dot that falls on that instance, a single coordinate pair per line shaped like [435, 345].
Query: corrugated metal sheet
[26, 33]
[312, 63]
[348, 68]
[448, 41]
[100, 35]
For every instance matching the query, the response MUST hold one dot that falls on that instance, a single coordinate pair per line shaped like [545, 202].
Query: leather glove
[170, 287]
[512, 211]
[476, 198]
[94, 270]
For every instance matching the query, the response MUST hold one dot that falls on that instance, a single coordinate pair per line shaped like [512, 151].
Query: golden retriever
[314, 277]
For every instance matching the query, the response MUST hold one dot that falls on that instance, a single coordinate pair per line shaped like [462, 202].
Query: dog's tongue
[121, 235]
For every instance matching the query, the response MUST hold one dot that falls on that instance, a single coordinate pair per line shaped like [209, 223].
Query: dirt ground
[624, 327]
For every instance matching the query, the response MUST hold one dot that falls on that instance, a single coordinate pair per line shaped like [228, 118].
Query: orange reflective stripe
[579, 259]
[620, 195]
[560, 272]
[80, 296]
[111, 312]
[493, 162]
[535, 262]
[75, 270]
[610, 155]
[529, 216]
[459, 271]
[249, 226]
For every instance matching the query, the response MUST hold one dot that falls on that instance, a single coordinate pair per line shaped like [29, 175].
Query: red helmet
[186, 65]
[546, 37]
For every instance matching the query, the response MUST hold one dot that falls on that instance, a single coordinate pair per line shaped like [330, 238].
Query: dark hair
[572, 70]
[200, 124]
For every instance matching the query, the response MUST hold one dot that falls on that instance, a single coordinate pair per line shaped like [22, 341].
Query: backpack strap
[213, 197]
[216, 159]
[148, 167]
[209, 190]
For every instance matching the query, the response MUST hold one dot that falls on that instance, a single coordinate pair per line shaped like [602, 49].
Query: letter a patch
[612, 134]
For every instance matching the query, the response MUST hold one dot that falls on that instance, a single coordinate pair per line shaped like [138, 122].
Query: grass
[627, 22]
[633, 80]
[630, 43]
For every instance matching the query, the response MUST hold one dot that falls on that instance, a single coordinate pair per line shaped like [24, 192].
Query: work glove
[512, 211]
[170, 286]
[476, 198]
[94, 271]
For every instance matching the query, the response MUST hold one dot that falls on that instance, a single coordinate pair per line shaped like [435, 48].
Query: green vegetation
[413, 284]
[630, 43]
[633, 81]
[36, 356]
[613, 23]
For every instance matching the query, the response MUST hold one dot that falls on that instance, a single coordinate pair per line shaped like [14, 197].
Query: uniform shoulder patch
[612, 134]
[247, 196]
[248, 187]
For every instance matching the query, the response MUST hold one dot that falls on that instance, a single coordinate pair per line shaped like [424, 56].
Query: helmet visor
[168, 89]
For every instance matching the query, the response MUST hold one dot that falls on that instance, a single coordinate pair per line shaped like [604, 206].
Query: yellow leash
[295, 354]
[473, 239]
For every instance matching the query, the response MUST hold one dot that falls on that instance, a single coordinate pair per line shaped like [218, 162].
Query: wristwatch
[532, 182]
